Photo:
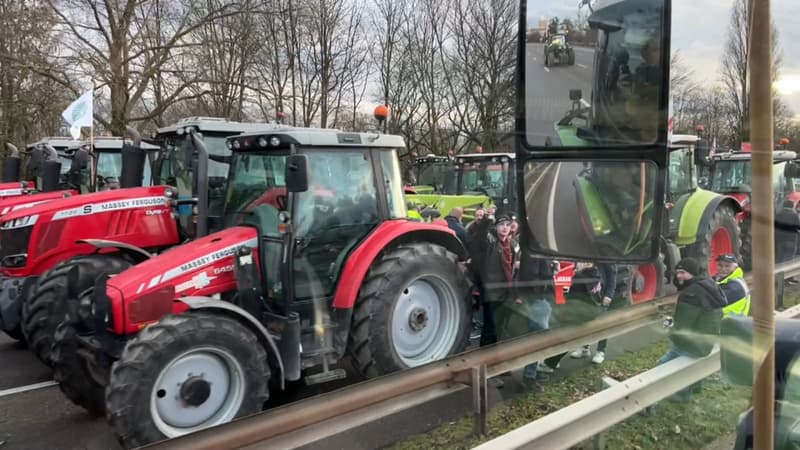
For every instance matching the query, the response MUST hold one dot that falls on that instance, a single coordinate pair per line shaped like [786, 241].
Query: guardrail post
[599, 439]
[779, 284]
[480, 399]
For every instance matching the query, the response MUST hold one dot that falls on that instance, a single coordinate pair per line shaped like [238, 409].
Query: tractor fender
[247, 319]
[138, 254]
[697, 213]
[389, 234]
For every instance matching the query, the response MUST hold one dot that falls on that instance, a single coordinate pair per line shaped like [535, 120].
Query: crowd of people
[515, 294]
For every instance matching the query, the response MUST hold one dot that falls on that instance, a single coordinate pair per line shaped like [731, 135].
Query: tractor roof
[312, 137]
[482, 156]
[216, 124]
[777, 156]
[55, 142]
[110, 144]
[683, 140]
[432, 158]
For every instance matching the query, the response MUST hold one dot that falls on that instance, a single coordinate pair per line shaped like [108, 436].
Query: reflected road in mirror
[547, 97]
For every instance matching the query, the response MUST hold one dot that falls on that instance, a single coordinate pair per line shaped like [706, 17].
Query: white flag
[79, 114]
[713, 148]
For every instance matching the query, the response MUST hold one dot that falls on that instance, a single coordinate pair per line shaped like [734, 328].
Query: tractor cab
[179, 161]
[433, 175]
[732, 175]
[682, 174]
[489, 174]
[102, 164]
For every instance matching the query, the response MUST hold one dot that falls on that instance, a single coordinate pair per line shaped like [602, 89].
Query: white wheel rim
[212, 367]
[425, 321]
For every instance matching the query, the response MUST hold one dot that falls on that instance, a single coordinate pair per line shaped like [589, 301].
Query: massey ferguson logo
[117, 205]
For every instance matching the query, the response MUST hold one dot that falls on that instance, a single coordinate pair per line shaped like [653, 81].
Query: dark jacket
[698, 315]
[454, 224]
[535, 276]
[486, 252]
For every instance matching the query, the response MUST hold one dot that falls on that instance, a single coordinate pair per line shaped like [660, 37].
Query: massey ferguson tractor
[731, 175]
[322, 263]
[38, 245]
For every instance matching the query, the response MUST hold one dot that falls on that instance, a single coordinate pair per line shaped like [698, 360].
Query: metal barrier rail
[297, 423]
[586, 418]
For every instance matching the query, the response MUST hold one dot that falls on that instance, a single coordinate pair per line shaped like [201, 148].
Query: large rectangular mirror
[594, 73]
[595, 209]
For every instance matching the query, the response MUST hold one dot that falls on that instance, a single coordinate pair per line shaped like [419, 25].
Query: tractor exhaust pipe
[51, 170]
[200, 183]
[133, 159]
[12, 165]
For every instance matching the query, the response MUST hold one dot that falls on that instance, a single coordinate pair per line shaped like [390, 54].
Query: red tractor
[201, 334]
[110, 229]
[731, 175]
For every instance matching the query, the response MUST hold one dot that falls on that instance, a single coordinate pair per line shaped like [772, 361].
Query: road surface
[547, 90]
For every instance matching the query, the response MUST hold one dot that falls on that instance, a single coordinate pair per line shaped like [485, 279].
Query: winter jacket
[535, 276]
[454, 224]
[698, 315]
[486, 252]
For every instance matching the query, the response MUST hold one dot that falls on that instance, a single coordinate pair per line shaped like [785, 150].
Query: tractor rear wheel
[77, 381]
[46, 307]
[721, 236]
[641, 283]
[747, 245]
[413, 308]
[185, 373]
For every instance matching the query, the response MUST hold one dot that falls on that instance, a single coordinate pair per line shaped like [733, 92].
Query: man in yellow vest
[730, 278]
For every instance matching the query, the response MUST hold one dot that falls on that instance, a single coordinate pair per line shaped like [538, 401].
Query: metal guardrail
[312, 419]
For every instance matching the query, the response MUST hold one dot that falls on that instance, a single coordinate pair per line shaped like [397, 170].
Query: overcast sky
[699, 29]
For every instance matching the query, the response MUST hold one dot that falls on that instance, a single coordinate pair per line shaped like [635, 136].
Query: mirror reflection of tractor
[558, 52]
[702, 224]
[731, 175]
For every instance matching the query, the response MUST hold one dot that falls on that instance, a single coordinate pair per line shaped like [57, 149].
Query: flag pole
[91, 142]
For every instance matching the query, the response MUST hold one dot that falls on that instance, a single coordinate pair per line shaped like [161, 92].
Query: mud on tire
[413, 308]
[196, 340]
[45, 308]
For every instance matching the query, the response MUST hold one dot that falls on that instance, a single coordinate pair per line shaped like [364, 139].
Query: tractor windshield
[682, 178]
[488, 177]
[437, 174]
[255, 179]
[731, 176]
[109, 167]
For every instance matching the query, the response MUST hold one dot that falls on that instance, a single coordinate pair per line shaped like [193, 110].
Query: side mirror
[575, 95]
[701, 151]
[35, 162]
[80, 160]
[12, 165]
[297, 173]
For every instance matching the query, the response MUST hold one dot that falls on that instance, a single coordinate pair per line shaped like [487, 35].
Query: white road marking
[551, 225]
[547, 69]
[30, 387]
[582, 66]
[585, 103]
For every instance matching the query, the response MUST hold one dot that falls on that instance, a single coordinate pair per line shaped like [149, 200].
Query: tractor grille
[14, 241]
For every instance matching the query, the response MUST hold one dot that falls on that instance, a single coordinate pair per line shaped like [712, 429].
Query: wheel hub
[418, 319]
[195, 391]
[638, 282]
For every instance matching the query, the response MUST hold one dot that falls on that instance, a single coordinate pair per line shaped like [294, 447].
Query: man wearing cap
[697, 318]
[730, 278]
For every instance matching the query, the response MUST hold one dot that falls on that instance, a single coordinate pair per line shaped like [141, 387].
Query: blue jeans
[674, 353]
[538, 320]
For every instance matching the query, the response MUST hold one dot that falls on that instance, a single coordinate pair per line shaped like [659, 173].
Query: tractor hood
[89, 204]
[17, 203]
[12, 189]
[201, 267]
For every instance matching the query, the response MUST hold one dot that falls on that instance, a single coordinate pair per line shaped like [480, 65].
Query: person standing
[730, 277]
[606, 287]
[454, 223]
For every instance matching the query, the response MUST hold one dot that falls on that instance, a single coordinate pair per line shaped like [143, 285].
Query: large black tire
[747, 245]
[724, 218]
[571, 57]
[70, 370]
[211, 338]
[637, 289]
[400, 286]
[45, 308]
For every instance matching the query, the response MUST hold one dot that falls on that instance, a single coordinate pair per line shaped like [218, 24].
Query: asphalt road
[547, 89]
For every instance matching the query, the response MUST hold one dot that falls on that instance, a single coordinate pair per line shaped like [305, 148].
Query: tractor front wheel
[185, 373]
[720, 237]
[46, 307]
[73, 370]
[412, 309]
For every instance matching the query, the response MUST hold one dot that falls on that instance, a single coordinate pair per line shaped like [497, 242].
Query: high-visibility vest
[414, 215]
[738, 307]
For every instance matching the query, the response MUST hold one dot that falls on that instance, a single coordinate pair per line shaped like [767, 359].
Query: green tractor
[431, 174]
[476, 180]
[558, 52]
